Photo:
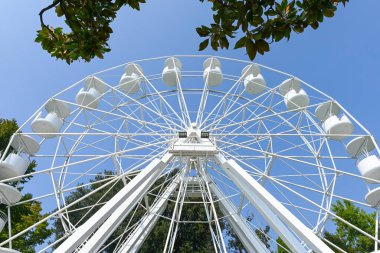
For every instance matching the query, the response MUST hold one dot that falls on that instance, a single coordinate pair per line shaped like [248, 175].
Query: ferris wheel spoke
[253, 113]
[242, 140]
[163, 99]
[294, 159]
[124, 116]
[242, 123]
[330, 213]
[51, 215]
[218, 105]
[160, 108]
[290, 203]
[156, 111]
[274, 114]
[182, 102]
[241, 112]
[153, 123]
[229, 113]
[275, 179]
[85, 161]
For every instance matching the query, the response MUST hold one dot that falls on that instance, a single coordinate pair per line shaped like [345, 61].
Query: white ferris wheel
[233, 135]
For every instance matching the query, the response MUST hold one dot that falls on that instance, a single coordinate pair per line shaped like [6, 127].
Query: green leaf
[224, 42]
[270, 13]
[262, 46]
[328, 13]
[251, 49]
[216, 18]
[203, 44]
[203, 31]
[99, 54]
[59, 11]
[240, 43]
[284, 3]
[314, 25]
[298, 29]
[214, 43]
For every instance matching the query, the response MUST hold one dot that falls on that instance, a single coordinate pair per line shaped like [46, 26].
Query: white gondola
[9, 194]
[50, 125]
[368, 164]
[212, 72]
[89, 96]
[130, 81]
[254, 82]
[171, 74]
[369, 167]
[25, 143]
[13, 166]
[337, 127]
[294, 96]
[373, 197]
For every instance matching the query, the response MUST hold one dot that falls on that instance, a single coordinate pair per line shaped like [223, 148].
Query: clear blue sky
[342, 58]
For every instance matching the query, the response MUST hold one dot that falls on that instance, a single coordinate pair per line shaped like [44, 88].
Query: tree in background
[191, 237]
[256, 23]
[346, 237]
[236, 246]
[281, 246]
[27, 214]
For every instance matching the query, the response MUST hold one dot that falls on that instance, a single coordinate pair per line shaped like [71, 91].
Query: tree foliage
[191, 237]
[27, 214]
[236, 246]
[281, 246]
[346, 237]
[256, 23]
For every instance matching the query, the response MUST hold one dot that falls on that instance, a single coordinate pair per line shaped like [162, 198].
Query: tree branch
[55, 2]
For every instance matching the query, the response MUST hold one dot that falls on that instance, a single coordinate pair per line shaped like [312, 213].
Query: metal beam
[247, 236]
[278, 217]
[138, 236]
[145, 178]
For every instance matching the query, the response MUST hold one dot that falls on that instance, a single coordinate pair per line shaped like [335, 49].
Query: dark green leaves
[240, 43]
[89, 28]
[251, 49]
[203, 45]
[344, 236]
[259, 23]
[262, 46]
[203, 31]
[262, 22]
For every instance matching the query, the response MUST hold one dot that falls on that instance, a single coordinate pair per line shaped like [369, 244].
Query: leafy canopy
[23, 215]
[191, 237]
[347, 238]
[257, 23]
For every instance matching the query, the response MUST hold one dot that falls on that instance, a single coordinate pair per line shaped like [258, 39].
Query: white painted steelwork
[284, 149]
[247, 236]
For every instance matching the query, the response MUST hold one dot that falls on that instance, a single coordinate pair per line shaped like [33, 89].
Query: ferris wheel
[253, 145]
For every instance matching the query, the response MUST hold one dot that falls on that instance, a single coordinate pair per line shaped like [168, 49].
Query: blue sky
[342, 58]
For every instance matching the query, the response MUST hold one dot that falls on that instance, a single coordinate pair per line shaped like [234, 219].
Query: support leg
[139, 235]
[149, 174]
[247, 236]
[278, 217]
